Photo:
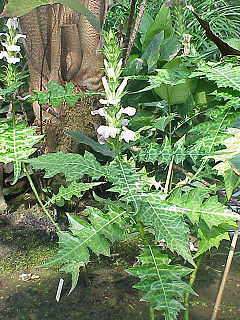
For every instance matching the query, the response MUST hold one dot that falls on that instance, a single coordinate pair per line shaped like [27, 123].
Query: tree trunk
[62, 45]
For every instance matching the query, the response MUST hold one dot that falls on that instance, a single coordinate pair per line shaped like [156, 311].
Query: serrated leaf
[235, 163]
[179, 151]
[16, 144]
[57, 93]
[225, 75]
[167, 222]
[73, 166]
[161, 122]
[211, 237]
[74, 189]
[95, 235]
[161, 282]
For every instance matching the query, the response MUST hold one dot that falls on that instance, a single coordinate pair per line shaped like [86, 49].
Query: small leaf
[57, 93]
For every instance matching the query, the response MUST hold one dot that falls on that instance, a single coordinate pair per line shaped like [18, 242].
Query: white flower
[121, 87]
[106, 87]
[10, 59]
[18, 36]
[101, 112]
[110, 101]
[127, 135]
[11, 47]
[12, 22]
[106, 132]
[130, 111]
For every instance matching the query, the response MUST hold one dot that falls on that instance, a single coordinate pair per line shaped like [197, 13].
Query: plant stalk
[38, 198]
[151, 312]
[191, 282]
[225, 275]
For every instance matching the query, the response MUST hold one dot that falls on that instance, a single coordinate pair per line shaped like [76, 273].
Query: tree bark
[62, 45]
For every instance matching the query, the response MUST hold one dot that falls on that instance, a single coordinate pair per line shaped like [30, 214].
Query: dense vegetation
[167, 160]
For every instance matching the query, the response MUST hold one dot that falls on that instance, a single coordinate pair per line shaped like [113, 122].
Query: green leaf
[151, 53]
[70, 98]
[16, 144]
[211, 237]
[17, 8]
[104, 149]
[161, 282]
[57, 93]
[161, 122]
[231, 180]
[95, 235]
[235, 162]
[179, 150]
[169, 48]
[162, 22]
[167, 222]
[11, 89]
[224, 75]
[154, 152]
[73, 166]
[74, 189]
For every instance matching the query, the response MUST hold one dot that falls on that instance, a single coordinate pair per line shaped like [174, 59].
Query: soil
[109, 294]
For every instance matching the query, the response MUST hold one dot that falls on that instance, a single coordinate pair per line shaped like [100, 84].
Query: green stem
[151, 311]
[38, 198]
[146, 242]
[191, 282]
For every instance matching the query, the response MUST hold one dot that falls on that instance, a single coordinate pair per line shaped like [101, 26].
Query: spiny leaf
[74, 189]
[16, 144]
[211, 237]
[225, 75]
[167, 222]
[74, 247]
[73, 166]
[161, 282]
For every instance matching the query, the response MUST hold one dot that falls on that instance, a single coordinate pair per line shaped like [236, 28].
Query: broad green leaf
[162, 22]
[73, 166]
[16, 144]
[17, 8]
[151, 53]
[96, 146]
[169, 48]
[144, 25]
[174, 94]
[161, 282]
